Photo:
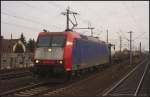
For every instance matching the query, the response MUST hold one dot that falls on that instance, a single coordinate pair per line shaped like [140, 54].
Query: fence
[16, 60]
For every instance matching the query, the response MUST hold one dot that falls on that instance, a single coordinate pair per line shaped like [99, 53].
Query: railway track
[49, 88]
[39, 87]
[8, 76]
[25, 90]
[70, 89]
[14, 73]
[43, 88]
[129, 85]
[6, 71]
[84, 78]
[33, 91]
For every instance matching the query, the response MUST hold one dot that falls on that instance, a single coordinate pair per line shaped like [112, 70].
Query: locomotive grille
[56, 53]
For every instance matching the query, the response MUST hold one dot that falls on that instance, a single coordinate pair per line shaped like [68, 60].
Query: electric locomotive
[66, 52]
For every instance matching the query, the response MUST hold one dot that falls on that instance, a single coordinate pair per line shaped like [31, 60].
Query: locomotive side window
[58, 40]
[44, 41]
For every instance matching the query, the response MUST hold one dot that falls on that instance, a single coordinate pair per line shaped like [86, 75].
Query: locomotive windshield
[44, 41]
[58, 41]
[51, 41]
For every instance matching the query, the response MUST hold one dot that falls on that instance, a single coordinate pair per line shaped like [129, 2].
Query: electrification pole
[107, 35]
[68, 19]
[91, 28]
[0, 49]
[120, 43]
[140, 49]
[130, 47]
[91, 31]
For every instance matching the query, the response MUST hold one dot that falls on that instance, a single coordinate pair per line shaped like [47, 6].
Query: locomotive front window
[44, 41]
[58, 40]
[51, 41]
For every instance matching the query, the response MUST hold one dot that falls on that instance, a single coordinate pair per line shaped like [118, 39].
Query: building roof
[7, 45]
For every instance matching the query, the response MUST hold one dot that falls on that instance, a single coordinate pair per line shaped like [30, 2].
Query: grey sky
[119, 17]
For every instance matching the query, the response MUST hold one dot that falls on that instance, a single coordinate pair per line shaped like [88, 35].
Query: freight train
[68, 52]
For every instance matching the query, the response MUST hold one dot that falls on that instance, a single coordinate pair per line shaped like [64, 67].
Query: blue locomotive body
[89, 53]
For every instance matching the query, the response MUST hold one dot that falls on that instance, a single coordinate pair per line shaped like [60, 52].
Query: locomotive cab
[49, 53]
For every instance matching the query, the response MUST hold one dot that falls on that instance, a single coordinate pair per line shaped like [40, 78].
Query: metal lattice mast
[67, 13]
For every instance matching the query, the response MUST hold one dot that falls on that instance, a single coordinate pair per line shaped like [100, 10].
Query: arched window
[19, 47]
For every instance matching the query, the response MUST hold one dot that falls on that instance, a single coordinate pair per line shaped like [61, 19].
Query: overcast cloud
[119, 17]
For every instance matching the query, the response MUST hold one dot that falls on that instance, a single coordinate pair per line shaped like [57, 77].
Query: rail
[124, 78]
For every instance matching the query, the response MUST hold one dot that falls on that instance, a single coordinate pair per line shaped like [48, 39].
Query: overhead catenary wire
[134, 20]
[97, 20]
[80, 18]
[61, 7]
[56, 5]
[124, 36]
[19, 17]
[29, 20]
[16, 25]
[101, 26]
[39, 9]
[131, 15]
[136, 25]
[139, 36]
[65, 9]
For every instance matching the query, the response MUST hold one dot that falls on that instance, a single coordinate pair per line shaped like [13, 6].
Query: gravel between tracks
[6, 85]
[95, 84]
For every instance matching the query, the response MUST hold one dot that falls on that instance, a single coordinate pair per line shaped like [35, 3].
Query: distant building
[14, 54]
[9, 45]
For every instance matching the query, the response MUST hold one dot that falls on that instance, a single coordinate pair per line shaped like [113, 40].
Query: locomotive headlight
[49, 50]
[69, 43]
[37, 61]
[60, 62]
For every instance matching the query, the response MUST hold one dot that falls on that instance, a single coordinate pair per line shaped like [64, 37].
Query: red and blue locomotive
[68, 52]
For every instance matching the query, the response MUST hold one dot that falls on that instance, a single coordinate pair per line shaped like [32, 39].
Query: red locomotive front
[49, 53]
[53, 53]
